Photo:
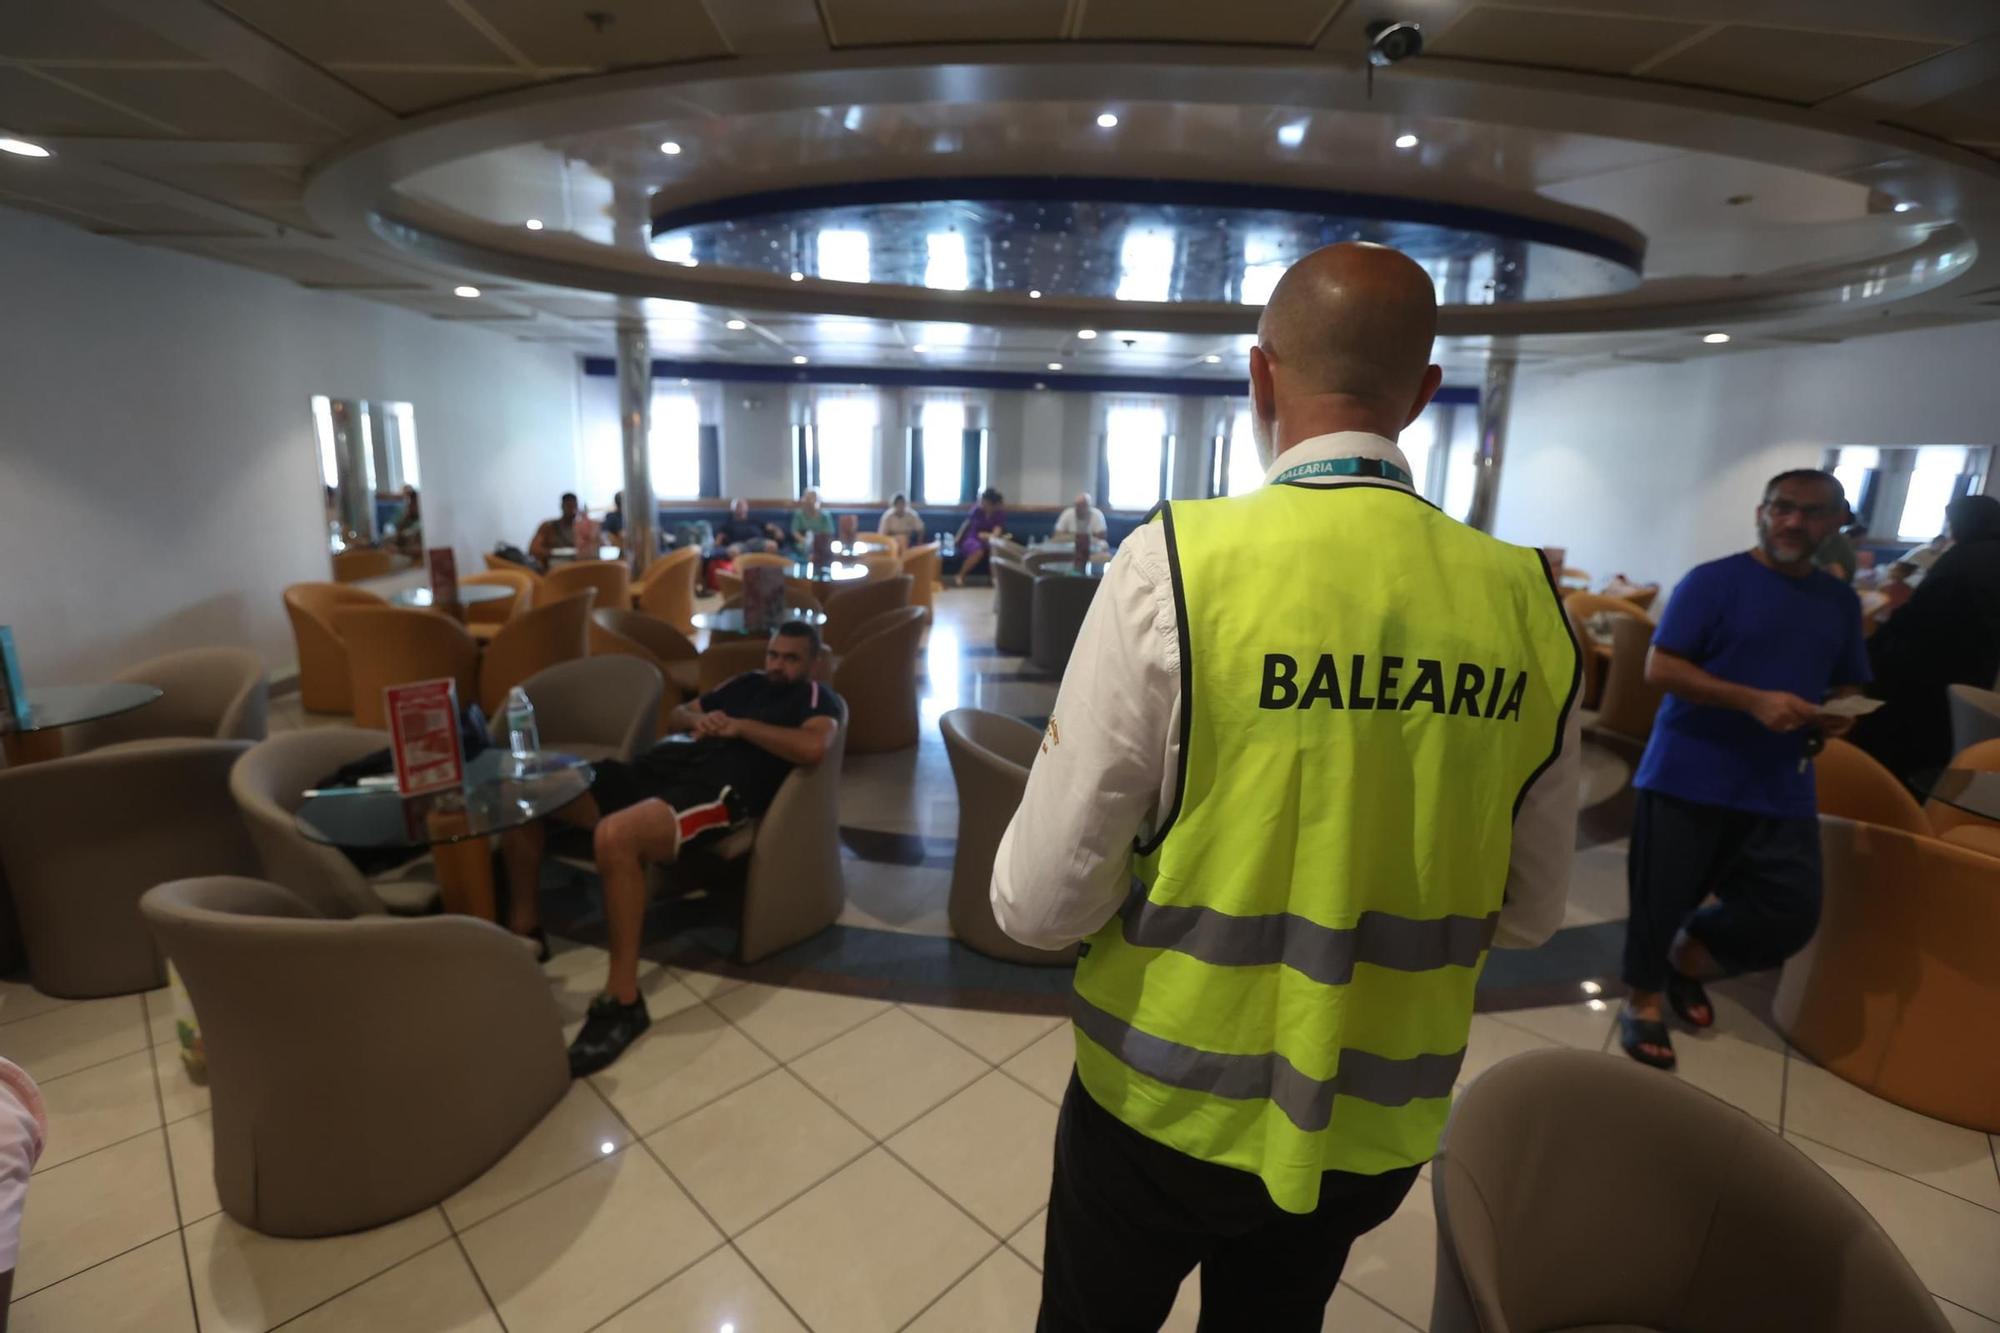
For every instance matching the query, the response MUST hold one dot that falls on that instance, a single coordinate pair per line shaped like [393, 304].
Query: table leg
[31, 747]
[465, 878]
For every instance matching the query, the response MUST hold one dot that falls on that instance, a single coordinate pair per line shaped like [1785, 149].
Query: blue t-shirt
[1743, 621]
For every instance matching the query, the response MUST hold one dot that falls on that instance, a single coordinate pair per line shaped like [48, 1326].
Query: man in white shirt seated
[1084, 517]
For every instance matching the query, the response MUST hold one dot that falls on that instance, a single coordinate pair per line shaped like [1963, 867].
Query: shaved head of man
[1344, 344]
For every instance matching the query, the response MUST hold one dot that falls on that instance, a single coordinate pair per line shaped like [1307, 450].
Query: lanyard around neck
[1344, 467]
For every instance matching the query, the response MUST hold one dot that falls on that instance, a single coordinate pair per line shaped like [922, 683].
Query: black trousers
[1763, 872]
[1128, 1219]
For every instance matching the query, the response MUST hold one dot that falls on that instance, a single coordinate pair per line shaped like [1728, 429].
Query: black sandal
[1634, 1032]
[1686, 995]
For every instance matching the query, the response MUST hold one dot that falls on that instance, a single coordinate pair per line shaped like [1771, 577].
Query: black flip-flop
[1685, 994]
[1634, 1032]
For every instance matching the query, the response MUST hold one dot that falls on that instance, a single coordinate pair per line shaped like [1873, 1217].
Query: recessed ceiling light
[1292, 135]
[919, 349]
[1213, 359]
[467, 292]
[1034, 294]
[533, 224]
[800, 360]
[670, 148]
[1904, 205]
[736, 326]
[1086, 334]
[1055, 365]
[22, 148]
[798, 276]
[1107, 121]
[1715, 337]
[1407, 141]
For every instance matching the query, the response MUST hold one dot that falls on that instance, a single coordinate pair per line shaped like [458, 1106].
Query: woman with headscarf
[1947, 634]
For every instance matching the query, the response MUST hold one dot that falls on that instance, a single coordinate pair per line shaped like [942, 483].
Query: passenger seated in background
[554, 533]
[1083, 517]
[739, 534]
[614, 522]
[749, 733]
[903, 523]
[407, 527]
[1836, 554]
[809, 520]
[985, 522]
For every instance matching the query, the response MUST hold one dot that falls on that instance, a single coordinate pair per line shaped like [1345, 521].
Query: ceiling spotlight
[1107, 121]
[22, 148]
[1292, 135]
[1715, 337]
[1212, 359]
[1407, 141]
[798, 276]
[919, 349]
[670, 148]
[1902, 205]
[1055, 365]
[468, 292]
[736, 326]
[1034, 293]
[1086, 334]
[799, 360]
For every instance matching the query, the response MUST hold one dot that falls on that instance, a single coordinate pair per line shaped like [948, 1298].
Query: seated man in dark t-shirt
[749, 733]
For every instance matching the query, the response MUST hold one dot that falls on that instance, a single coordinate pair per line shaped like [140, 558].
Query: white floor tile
[994, 1037]
[247, 1282]
[1597, 887]
[707, 985]
[161, 1024]
[76, 1036]
[757, 1149]
[1827, 1109]
[1739, 1059]
[1186, 1312]
[1951, 1243]
[681, 1063]
[576, 977]
[1351, 1312]
[866, 1250]
[84, 1212]
[141, 1291]
[433, 1293]
[1964, 1321]
[888, 1071]
[1045, 1066]
[19, 1000]
[1396, 1263]
[991, 1148]
[586, 1247]
[1028, 1241]
[1575, 1025]
[96, 1107]
[788, 1023]
[1489, 1042]
[180, 1095]
[572, 1135]
[192, 1143]
[719, 1292]
[1002, 1295]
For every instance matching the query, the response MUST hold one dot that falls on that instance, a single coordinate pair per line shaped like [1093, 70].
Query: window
[1145, 265]
[944, 261]
[1416, 442]
[1135, 455]
[1263, 264]
[1934, 483]
[673, 448]
[1461, 464]
[329, 460]
[1244, 470]
[845, 424]
[1852, 467]
[943, 425]
[843, 256]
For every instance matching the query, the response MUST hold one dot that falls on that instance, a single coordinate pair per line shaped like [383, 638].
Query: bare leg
[970, 563]
[521, 853]
[625, 842]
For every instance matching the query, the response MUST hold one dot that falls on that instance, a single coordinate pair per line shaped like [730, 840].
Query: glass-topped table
[469, 594]
[729, 620]
[53, 707]
[1974, 791]
[560, 553]
[1069, 569]
[837, 572]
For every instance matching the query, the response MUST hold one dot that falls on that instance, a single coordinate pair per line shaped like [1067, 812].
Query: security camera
[1391, 43]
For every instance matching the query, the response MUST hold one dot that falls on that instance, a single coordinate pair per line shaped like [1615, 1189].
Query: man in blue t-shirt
[1750, 648]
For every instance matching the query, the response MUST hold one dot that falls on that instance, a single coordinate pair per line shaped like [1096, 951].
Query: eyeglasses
[1790, 509]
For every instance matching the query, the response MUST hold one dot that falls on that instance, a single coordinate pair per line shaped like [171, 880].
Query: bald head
[1347, 330]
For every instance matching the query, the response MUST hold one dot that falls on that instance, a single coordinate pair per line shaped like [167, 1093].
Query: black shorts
[620, 785]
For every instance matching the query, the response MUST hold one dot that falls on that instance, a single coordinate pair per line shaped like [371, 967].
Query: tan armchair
[269, 784]
[211, 694]
[597, 707]
[1013, 607]
[881, 565]
[1629, 703]
[610, 578]
[82, 838]
[1740, 1232]
[324, 686]
[360, 1070]
[990, 756]
[366, 563]
[1853, 785]
[498, 564]
[387, 645]
[727, 660]
[668, 590]
[877, 676]
[555, 631]
[856, 604]
[484, 619]
[1962, 826]
[637, 634]
[1580, 607]
[787, 860]
[1975, 716]
[1897, 991]
[925, 566]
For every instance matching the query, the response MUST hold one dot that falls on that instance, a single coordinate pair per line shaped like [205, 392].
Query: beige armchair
[925, 566]
[787, 860]
[877, 676]
[611, 580]
[361, 1070]
[857, 603]
[269, 784]
[1579, 607]
[365, 563]
[990, 756]
[324, 686]
[1629, 703]
[1055, 617]
[82, 838]
[1853, 784]
[211, 694]
[555, 631]
[1740, 1231]
[1975, 716]
[727, 660]
[668, 590]
[1013, 607]
[597, 707]
[638, 634]
[484, 619]
[387, 645]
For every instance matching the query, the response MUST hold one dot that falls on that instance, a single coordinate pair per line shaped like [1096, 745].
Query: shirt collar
[1341, 444]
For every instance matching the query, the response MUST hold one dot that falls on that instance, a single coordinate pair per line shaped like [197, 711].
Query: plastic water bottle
[523, 739]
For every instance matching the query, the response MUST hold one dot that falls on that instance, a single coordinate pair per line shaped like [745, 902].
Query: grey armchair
[1740, 1232]
[82, 838]
[1060, 602]
[856, 604]
[597, 707]
[1013, 606]
[990, 756]
[877, 676]
[268, 785]
[1975, 716]
[363, 1069]
[211, 694]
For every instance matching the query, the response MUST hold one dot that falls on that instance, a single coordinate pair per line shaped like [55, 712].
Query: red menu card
[423, 721]
[444, 575]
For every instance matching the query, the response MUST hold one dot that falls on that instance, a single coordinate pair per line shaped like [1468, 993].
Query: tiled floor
[770, 1158]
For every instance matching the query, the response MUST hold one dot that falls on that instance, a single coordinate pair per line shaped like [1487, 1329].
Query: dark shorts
[618, 786]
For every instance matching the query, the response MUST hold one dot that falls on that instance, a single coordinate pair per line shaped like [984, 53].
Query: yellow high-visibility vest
[1367, 690]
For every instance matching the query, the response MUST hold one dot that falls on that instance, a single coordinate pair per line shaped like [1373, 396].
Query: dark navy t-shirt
[1743, 621]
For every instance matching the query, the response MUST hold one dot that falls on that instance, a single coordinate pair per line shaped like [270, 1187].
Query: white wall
[1649, 470]
[158, 480]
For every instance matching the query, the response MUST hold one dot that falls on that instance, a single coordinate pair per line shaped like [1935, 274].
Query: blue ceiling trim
[898, 377]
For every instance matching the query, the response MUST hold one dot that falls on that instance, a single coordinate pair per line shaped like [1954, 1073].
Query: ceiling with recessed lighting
[1785, 170]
